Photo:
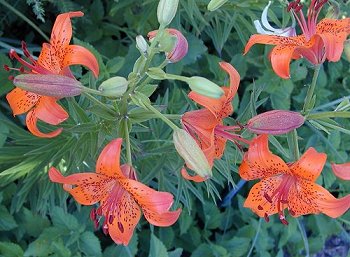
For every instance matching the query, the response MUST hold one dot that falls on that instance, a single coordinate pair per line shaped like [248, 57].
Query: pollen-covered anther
[6, 67]
[267, 197]
[105, 228]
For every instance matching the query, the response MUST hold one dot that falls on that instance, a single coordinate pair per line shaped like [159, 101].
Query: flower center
[308, 27]
[279, 198]
[31, 64]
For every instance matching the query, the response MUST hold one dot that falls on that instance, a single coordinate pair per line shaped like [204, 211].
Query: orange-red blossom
[318, 42]
[120, 196]
[206, 125]
[54, 59]
[288, 186]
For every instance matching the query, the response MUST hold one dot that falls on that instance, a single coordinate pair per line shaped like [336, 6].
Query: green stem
[161, 116]
[173, 116]
[310, 93]
[292, 139]
[127, 141]
[322, 115]
[23, 17]
[92, 91]
[94, 100]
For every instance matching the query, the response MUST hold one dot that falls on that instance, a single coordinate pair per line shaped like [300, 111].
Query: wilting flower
[206, 125]
[287, 185]
[54, 59]
[178, 49]
[120, 195]
[342, 170]
[275, 122]
[264, 26]
[319, 41]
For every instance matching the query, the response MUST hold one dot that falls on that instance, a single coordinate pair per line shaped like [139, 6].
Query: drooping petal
[281, 56]
[334, 45]
[259, 162]
[78, 55]
[49, 111]
[310, 165]
[195, 178]
[342, 170]
[86, 188]
[309, 198]
[163, 219]
[31, 121]
[21, 101]
[62, 30]
[108, 162]
[256, 199]
[147, 197]
[273, 40]
[126, 215]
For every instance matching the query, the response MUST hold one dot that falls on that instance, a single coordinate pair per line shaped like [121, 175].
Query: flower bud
[275, 122]
[189, 150]
[216, 4]
[205, 87]
[141, 44]
[166, 11]
[175, 49]
[58, 86]
[114, 87]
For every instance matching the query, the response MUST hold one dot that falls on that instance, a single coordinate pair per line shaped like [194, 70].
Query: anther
[266, 217]
[12, 54]
[99, 211]
[11, 77]
[105, 228]
[267, 197]
[93, 214]
[6, 67]
[284, 221]
[21, 69]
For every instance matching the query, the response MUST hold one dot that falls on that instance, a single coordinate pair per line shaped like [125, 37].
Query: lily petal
[49, 111]
[108, 162]
[232, 90]
[309, 198]
[195, 178]
[256, 199]
[259, 162]
[31, 121]
[163, 219]
[147, 197]
[342, 170]
[310, 165]
[86, 188]
[334, 45]
[126, 215]
[62, 30]
[281, 56]
[75, 54]
[21, 101]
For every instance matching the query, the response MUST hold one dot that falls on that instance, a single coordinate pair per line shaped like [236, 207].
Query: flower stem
[94, 100]
[292, 139]
[308, 105]
[322, 115]
[23, 17]
[160, 116]
[127, 141]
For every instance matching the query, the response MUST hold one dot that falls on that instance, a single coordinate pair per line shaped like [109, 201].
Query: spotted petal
[259, 162]
[108, 162]
[21, 101]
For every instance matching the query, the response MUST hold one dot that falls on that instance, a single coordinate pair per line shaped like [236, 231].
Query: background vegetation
[39, 219]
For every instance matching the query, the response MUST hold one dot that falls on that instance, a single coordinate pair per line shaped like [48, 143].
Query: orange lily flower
[55, 58]
[319, 41]
[206, 125]
[342, 171]
[287, 185]
[120, 195]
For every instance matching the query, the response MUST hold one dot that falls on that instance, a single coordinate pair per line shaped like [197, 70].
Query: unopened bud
[205, 87]
[114, 87]
[166, 11]
[141, 44]
[58, 86]
[189, 150]
[216, 4]
[275, 122]
[173, 43]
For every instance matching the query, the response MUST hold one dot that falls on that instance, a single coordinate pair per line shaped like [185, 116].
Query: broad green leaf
[157, 247]
[60, 219]
[90, 244]
[8, 249]
[7, 222]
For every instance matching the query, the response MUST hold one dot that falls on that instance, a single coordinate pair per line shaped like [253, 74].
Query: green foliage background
[37, 218]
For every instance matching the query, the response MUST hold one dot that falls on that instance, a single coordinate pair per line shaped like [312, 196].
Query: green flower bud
[189, 150]
[114, 87]
[205, 87]
[58, 86]
[166, 11]
[141, 44]
[216, 4]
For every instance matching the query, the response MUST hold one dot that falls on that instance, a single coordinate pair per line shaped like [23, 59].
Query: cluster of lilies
[202, 139]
